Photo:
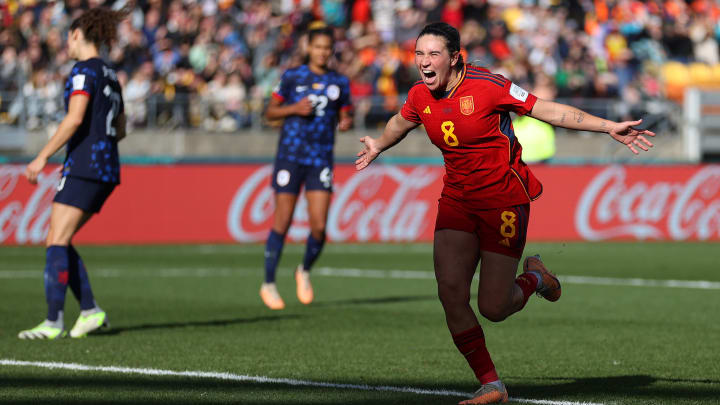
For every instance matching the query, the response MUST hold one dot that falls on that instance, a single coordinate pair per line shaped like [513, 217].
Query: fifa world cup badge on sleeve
[78, 82]
[518, 92]
[466, 105]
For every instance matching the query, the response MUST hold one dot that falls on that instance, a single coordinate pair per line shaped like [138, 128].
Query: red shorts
[500, 230]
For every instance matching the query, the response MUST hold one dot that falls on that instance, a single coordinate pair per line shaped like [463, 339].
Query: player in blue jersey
[313, 100]
[94, 124]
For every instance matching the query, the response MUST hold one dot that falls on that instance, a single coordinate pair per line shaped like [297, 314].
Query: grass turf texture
[197, 308]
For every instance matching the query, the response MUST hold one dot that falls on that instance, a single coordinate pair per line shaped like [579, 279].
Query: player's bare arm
[566, 116]
[346, 120]
[121, 127]
[277, 110]
[395, 130]
[66, 129]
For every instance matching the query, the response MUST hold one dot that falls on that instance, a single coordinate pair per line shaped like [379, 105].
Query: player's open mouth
[429, 76]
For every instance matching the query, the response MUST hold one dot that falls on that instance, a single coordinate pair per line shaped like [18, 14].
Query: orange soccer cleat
[271, 297]
[488, 394]
[550, 285]
[304, 287]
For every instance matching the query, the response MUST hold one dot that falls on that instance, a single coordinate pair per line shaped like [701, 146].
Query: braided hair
[322, 30]
[316, 29]
[99, 25]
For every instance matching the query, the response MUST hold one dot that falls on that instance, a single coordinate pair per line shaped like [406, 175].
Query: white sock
[93, 310]
[58, 323]
[498, 384]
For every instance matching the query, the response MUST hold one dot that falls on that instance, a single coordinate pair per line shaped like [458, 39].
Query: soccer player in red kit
[484, 207]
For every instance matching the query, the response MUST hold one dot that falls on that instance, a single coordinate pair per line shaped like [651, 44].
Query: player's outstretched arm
[394, 132]
[573, 118]
[66, 129]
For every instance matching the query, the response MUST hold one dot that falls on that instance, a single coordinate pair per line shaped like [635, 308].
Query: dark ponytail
[449, 34]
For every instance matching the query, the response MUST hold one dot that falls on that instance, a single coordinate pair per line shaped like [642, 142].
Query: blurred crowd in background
[212, 64]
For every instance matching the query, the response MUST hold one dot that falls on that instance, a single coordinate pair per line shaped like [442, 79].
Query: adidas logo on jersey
[427, 110]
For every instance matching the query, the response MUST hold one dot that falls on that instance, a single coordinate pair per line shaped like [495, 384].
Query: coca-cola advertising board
[384, 203]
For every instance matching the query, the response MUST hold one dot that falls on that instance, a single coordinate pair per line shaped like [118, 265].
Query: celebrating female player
[484, 206]
[94, 123]
[312, 99]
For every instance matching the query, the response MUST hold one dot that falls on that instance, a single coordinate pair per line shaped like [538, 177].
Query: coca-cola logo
[28, 220]
[612, 207]
[380, 203]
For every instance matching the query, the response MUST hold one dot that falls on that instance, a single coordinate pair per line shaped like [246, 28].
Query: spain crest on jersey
[466, 105]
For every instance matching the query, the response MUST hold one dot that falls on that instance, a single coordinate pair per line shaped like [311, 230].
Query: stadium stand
[211, 65]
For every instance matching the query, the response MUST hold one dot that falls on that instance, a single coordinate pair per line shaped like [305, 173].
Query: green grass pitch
[197, 308]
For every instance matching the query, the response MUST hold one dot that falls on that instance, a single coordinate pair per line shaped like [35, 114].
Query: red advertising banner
[233, 203]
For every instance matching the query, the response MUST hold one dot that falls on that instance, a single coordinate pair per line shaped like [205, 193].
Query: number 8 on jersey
[448, 128]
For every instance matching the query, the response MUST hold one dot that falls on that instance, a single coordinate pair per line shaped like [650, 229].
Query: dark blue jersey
[92, 151]
[310, 140]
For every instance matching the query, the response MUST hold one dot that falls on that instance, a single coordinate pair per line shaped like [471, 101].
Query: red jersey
[472, 128]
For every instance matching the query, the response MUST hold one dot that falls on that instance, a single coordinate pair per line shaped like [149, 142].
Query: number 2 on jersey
[448, 127]
[114, 110]
[319, 102]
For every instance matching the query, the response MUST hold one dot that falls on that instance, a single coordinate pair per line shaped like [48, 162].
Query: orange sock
[528, 284]
[471, 343]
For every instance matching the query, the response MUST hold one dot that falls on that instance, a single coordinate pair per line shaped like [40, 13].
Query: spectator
[591, 49]
[136, 94]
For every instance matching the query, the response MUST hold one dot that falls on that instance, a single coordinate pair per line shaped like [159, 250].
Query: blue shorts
[289, 177]
[88, 195]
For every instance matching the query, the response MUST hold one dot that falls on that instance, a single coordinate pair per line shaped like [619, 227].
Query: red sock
[527, 283]
[471, 344]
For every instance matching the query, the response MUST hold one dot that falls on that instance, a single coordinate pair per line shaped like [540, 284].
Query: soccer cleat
[550, 285]
[89, 323]
[44, 331]
[488, 394]
[304, 287]
[271, 297]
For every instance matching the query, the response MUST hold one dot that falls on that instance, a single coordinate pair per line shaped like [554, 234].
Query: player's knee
[49, 238]
[281, 229]
[57, 240]
[453, 295]
[58, 237]
[318, 232]
[494, 315]
[491, 311]
[281, 225]
[282, 221]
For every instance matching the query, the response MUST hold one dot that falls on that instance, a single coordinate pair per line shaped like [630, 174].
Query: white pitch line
[364, 273]
[263, 380]
[583, 280]
[642, 282]
[152, 273]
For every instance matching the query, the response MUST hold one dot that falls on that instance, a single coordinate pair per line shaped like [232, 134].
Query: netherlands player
[313, 100]
[484, 206]
[94, 123]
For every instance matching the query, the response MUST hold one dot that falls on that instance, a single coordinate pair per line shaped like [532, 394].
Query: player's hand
[624, 132]
[34, 168]
[370, 151]
[304, 107]
[345, 123]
